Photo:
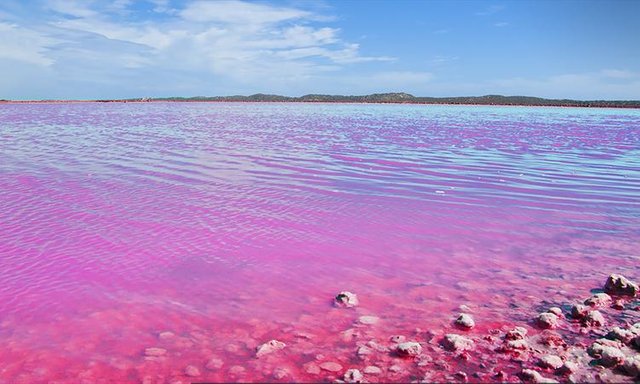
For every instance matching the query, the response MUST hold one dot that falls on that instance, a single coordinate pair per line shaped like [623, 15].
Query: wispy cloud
[416, 82]
[607, 83]
[442, 59]
[25, 45]
[403, 77]
[493, 9]
[135, 48]
[222, 42]
[620, 74]
[75, 8]
[239, 12]
[596, 85]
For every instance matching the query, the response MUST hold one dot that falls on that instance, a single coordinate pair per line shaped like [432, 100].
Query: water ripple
[98, 198]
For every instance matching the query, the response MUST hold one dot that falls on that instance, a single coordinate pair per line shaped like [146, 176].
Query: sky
[102, 49]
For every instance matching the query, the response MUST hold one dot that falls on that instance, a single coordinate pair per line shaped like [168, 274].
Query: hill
[410, 99]
[396, 97]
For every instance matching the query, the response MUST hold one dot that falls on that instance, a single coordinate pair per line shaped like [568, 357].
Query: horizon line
[388, 97]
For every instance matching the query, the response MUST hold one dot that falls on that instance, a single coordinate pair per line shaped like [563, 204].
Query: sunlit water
[233, 224]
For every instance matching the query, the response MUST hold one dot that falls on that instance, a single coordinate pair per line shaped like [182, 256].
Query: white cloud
[605, 84]
[239, 12]
[620, 74]
[402, 77]
[77, 8]
[24, 45]
[213, 44]
[307, 36]
[415, 82]
[148, 35]
[121, 4]
[439, 60]
[493, 9]
[102, 49]
[350, 54]
[162, 6]
[580, 86]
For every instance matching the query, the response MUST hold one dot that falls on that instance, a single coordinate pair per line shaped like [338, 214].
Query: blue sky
[87, 49]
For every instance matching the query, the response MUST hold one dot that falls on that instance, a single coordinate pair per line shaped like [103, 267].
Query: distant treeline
[397, 98]
[410, 99]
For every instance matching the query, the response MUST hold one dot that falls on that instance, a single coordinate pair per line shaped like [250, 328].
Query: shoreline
[14, 102]
[594, 337]
[374, 98]
[592, 340]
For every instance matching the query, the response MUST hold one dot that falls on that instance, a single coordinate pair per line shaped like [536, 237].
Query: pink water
[232, 224]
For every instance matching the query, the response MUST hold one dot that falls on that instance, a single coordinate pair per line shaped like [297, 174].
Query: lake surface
[207, 229]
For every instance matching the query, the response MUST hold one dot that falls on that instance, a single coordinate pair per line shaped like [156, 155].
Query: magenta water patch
[168, 242]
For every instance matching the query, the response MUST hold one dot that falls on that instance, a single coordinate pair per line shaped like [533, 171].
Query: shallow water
[233, 224]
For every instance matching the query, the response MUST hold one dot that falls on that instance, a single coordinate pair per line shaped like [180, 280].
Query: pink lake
[207, 229]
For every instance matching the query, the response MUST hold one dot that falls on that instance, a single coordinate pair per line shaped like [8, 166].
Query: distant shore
[377, 98]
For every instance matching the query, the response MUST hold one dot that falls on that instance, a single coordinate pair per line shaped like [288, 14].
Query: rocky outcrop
[346, 299]
[269, 347]
[409, 348]
[598, 300]
[547, 320]
[620, 285]
[465, 321]
[593, 319]
[457, 343]
[531, 376]
[550, 361]
[353, 376]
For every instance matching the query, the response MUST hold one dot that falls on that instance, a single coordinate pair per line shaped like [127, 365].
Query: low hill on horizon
[392, 97]
[401, 97]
